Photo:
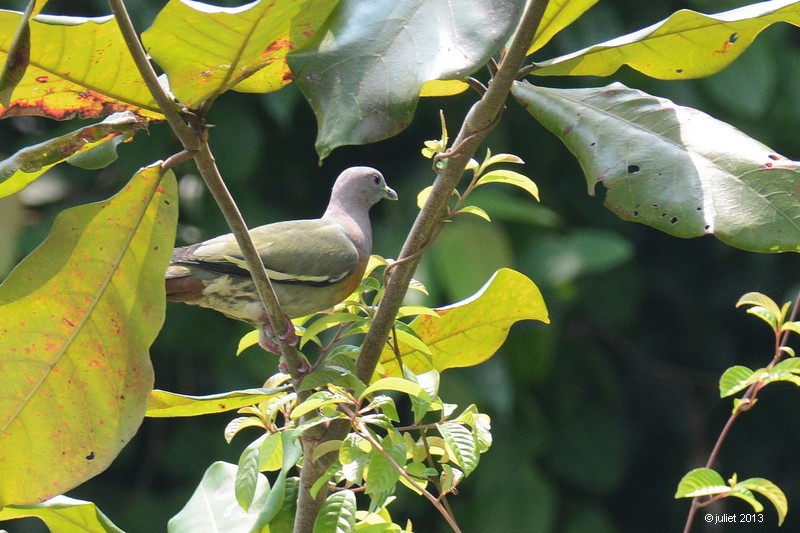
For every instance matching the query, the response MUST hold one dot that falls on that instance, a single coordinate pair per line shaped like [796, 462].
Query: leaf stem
[365, 433]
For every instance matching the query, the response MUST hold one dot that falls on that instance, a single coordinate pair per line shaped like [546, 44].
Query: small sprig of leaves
[438, 448]
[481, 175]
[705, 485]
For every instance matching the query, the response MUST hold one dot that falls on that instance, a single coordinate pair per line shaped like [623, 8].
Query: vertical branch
[479, 122]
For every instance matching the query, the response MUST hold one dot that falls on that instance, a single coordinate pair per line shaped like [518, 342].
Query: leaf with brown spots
[27, 165]
[78, 67]
[77, 318]
[673, 167]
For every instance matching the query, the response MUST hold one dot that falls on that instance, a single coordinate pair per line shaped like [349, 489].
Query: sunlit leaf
[672, 167]
[756, 299]
[510, 178]
[77, 318]
[381, 474]
[469, 332]
[248, 49]
[213, 506]
[737, 378]
[368, 64]
[247, 475]
[771, 491]
[395, 384]
[475, 210]
[25, 166]
[338, 513]
[686, 45]
[18, 57]
[461, 444]
[64, 514]
[164, 404]
[558, 15]
[79, 67]
[701, 482]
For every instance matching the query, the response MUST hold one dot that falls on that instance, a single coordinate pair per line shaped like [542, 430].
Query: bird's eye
[376, 179]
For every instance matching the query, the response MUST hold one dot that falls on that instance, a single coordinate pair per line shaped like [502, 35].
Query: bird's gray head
[361, 186]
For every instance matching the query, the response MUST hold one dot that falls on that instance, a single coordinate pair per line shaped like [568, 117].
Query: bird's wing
[298, 251]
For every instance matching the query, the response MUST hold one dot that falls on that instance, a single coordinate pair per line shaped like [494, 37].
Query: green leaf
[326, 322]
[240, 423]
[672, 167]
[271, 455]
[763, 307]
[63, 514]
[771, 491]
[27, 165]
[62, 81]
[471, 331]
[737, 378]
[461, 445]
[686, 45]
[77, 318]
[558, 15]
[338, 513]
[247, 474]
[701, 482]
[363, 73]
[283, 521]
[511, 178]
[18, 56]
[247, 53]
[475, 210]
[395, 384]
[748, 496]
[317, 401]
[213, 506]
[381, 474]
[165, 404]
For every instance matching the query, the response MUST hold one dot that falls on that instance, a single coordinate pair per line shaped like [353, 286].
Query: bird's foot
[271, 342]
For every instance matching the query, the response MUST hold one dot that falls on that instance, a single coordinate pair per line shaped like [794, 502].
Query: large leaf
[78, 67]
[471, 331]
[365, 69]
[672, 167]
[164, 404]
[686, 45]
[77, 318]
[24, 167]
[64, 514]
[247, 51]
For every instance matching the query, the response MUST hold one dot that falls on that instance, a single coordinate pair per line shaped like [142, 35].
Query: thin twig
[747, 401]
[364, 432]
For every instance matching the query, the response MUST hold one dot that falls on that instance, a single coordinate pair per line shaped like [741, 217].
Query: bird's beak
[389, 193]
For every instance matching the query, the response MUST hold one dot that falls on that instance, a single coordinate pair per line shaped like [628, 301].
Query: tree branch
[195, 142]
[479, 121]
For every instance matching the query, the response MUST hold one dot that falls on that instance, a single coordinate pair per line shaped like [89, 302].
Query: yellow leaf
[471, 331]
[685, 45]
[165, 404]
[77, 318]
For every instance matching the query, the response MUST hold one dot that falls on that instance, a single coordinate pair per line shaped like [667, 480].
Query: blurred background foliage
[595, 417]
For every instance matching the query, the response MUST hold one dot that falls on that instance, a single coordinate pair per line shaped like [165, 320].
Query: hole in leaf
[673, 220]
[633, 169]
[636, 213]
[90, 457]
